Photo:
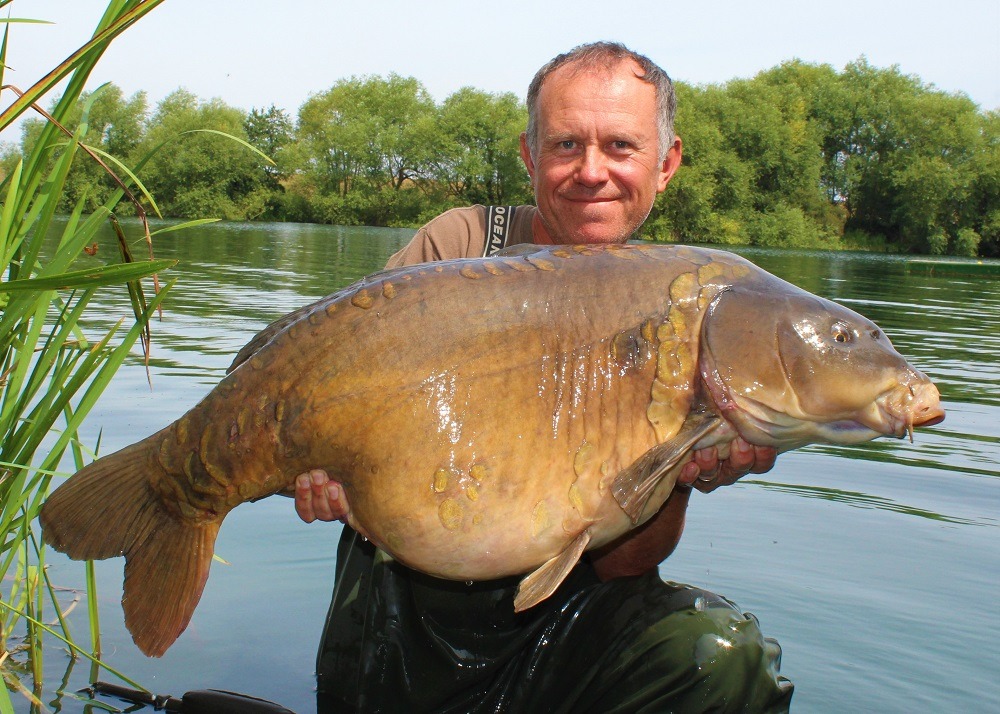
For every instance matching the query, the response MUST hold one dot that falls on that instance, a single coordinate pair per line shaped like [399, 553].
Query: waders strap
[498, 220]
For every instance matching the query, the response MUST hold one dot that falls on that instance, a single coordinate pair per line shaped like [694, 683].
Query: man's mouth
[590, 199]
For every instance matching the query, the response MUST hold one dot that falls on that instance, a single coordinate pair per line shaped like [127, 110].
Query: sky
[252, 54]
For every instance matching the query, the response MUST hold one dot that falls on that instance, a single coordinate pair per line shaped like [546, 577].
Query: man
[599, 147]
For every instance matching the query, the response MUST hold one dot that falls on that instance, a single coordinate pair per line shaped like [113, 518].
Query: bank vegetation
[801, 155]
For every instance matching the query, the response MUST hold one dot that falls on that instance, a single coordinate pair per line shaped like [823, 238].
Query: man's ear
[671, 163]
[529, 163]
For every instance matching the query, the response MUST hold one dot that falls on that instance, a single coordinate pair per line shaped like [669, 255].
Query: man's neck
[539, 233]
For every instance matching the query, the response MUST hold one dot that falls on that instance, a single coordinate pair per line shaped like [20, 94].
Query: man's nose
[593, 167]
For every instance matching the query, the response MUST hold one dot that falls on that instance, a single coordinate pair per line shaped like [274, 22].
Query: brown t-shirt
[460, 233]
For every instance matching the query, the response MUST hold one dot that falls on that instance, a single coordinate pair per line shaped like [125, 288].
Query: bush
[784, 226]
[966, 243]
[937, 241]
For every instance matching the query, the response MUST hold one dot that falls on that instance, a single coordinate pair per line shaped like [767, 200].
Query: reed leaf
[83, 60]
[51, 372]
[91, 277]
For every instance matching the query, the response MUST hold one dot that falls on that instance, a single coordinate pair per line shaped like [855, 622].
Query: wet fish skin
[488, 417]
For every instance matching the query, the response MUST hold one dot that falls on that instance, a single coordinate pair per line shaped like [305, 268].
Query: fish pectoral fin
[634, 485]
[539, 584]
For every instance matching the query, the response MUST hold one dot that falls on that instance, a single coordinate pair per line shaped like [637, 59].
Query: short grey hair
[606, 55]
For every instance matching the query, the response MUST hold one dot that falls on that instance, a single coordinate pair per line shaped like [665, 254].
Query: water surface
[876, 566]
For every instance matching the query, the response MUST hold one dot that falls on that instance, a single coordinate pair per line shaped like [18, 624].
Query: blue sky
[252, 53]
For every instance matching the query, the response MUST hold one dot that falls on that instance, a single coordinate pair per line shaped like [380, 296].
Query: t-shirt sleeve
[458, 233]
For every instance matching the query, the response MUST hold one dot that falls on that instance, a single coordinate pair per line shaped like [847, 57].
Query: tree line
[801, 155]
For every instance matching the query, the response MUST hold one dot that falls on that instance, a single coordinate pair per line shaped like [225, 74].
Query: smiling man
[599, 147]
[596, 155]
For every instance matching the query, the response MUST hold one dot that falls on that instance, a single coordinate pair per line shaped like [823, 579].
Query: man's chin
[601, 240]
[602, 234]
[594, 223]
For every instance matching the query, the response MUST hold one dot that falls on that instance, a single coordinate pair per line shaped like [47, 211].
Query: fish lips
[910, 405]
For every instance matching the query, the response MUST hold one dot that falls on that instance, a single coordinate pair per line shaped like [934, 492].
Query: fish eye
[841, 334]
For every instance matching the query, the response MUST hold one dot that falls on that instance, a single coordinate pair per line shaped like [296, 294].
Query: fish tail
[109, 509]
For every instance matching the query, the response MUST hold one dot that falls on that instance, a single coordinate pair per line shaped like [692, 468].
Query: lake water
[877, 567]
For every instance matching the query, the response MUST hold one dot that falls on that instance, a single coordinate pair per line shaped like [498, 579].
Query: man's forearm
[647, 546]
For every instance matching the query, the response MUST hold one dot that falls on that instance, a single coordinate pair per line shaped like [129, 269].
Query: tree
[910, 157]
[271, 130]
[751, 168]
[195, 172]
[115, 126]
[363, 142]
[984, 191]
[478, 157]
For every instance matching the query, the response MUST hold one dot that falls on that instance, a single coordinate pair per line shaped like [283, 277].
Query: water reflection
[864, 500]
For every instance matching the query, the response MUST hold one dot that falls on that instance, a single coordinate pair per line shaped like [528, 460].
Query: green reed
[51, 371]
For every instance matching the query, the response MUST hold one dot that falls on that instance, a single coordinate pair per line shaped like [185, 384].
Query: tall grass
[51, 371]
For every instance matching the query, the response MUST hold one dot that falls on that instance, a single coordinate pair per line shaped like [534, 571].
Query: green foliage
[365, 133]
[115, 125]
[800, 154]
[51, 372]
[966, 242]
[479, 156]
[194, 169]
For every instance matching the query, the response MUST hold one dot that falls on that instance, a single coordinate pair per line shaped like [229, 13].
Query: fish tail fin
[159, 601]
[94, 514]
[109, 509]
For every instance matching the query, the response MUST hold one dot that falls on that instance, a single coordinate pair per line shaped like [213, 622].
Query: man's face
[596, 171]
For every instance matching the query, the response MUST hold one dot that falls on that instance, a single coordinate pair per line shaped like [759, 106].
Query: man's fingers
[707, 461]
[707, 472]
[741, 457]
[764, 458]
[689, 474]
[337, 502]
[317, 498]
[303, 498]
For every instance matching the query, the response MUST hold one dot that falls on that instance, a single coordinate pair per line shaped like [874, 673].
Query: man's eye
[621, 145]
[567, 144]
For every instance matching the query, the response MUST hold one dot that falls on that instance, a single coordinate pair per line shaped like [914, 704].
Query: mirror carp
[490, 417]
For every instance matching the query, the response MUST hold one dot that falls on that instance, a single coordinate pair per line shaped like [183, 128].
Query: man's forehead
[590, 69]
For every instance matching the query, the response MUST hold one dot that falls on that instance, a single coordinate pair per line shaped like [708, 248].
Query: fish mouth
[906, 407]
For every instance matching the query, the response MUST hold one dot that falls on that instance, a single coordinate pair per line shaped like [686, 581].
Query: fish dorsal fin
[542, 582]
[520, 249]
[634, 485]
[267, 334]
[282, 323]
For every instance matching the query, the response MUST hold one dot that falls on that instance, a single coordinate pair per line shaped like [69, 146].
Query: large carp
[490, 417]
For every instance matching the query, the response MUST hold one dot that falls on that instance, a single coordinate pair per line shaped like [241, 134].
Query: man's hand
[706, 471]
[317, 498]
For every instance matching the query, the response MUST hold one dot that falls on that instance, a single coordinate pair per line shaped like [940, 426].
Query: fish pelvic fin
[635, 484]
[542, 582]
[109, 509]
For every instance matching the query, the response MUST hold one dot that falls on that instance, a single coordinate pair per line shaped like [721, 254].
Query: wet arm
[646, 547]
